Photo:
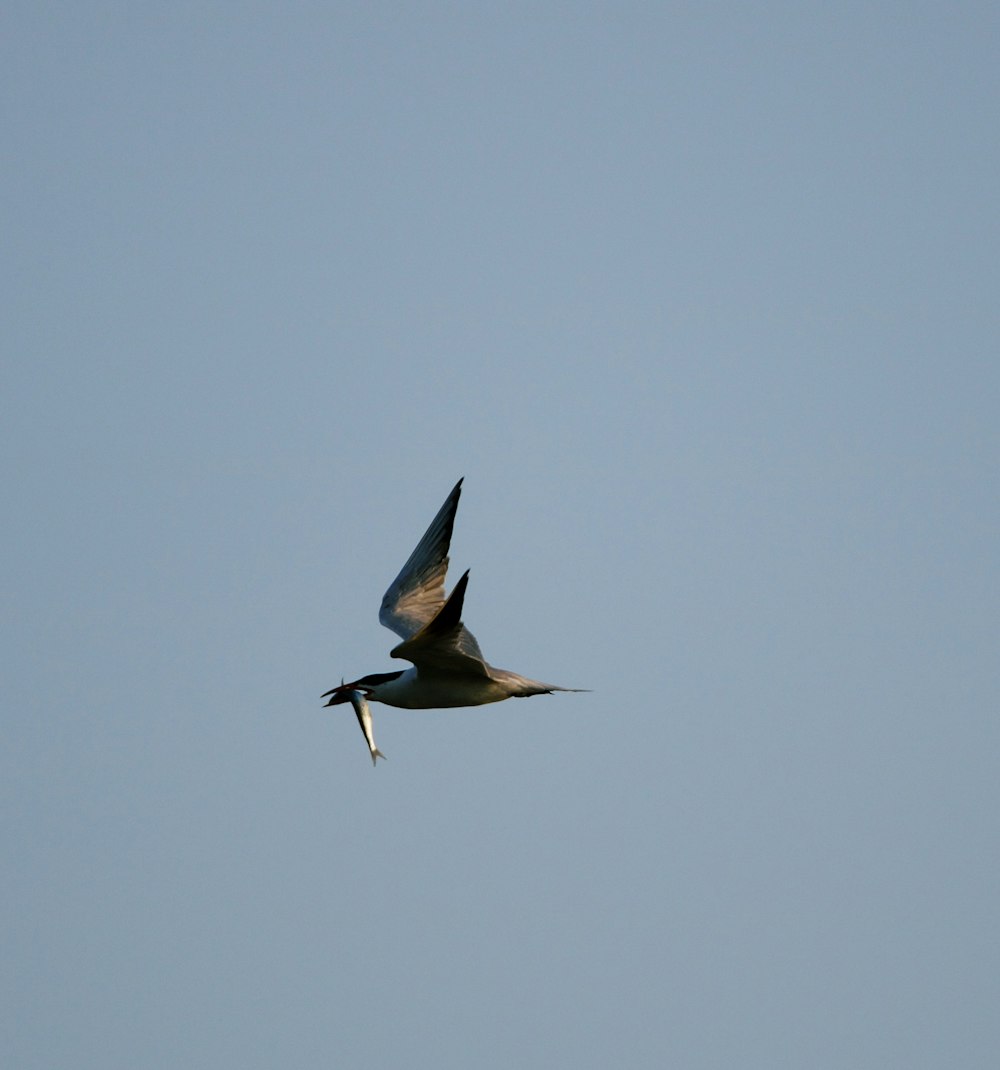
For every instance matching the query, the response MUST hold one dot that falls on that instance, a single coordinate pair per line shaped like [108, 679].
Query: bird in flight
[448, 667]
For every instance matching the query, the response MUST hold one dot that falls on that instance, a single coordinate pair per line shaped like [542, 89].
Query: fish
[360, 704]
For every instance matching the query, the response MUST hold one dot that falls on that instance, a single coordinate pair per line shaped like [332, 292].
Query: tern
[448, 667]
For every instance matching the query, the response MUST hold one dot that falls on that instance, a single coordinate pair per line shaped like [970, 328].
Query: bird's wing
[444, 644]
[416, 595]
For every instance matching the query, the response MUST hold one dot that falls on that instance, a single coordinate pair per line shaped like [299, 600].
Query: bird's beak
[340, 694]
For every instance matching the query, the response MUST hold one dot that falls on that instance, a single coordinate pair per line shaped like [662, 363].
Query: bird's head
[367, 685]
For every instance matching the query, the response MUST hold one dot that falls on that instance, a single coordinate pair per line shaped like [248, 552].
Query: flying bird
[448, 667]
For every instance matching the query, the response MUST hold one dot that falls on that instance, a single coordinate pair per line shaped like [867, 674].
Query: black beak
[339, 694]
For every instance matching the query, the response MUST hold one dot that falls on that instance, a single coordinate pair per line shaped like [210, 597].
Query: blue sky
[702, 302]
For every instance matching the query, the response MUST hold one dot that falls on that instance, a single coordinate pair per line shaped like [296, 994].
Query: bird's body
[428, 690]
[448, 667]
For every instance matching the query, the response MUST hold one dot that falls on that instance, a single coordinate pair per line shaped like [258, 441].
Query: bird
[448, 667]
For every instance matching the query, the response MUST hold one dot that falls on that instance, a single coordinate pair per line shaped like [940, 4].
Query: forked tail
[522, 687]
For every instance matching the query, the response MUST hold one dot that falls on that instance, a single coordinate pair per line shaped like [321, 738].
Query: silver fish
[360, 704]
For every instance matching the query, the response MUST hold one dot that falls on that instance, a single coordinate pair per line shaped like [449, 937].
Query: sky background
[702, 300]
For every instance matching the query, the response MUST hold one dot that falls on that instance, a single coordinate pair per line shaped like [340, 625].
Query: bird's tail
[522, 687]
[376, 753]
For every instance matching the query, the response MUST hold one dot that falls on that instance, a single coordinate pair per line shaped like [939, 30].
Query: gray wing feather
[416, 595]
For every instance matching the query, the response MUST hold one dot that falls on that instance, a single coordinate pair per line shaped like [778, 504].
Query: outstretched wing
[416, 595]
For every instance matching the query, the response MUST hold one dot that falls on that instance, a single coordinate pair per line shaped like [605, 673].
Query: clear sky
[702, 300]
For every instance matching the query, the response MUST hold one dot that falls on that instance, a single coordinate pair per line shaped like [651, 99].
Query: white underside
[438, 691]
